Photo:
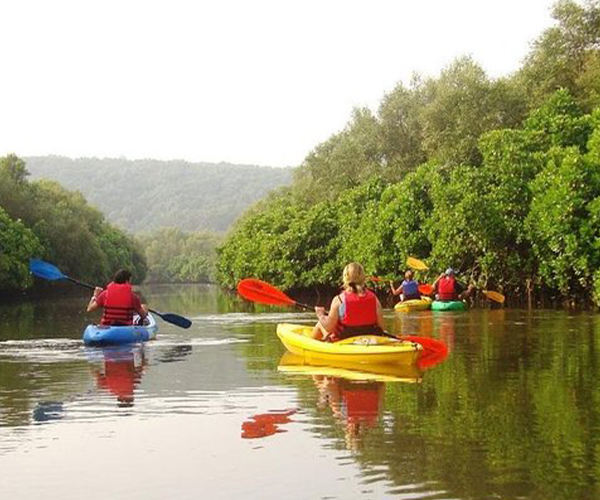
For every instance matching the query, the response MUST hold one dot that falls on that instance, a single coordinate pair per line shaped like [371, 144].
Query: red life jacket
[358, 316]
[118, 305]
[447, 288]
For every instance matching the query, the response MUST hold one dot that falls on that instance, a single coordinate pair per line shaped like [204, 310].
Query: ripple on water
[254, 317]
[41, 350]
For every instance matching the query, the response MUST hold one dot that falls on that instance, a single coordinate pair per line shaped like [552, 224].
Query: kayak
[413, 305]
[99, 335]
[360, 349]
[448, 305]
[384, 372]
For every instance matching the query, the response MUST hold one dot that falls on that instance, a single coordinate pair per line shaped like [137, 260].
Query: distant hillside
[142, 195]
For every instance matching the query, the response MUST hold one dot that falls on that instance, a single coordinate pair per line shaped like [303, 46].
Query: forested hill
[142, 195]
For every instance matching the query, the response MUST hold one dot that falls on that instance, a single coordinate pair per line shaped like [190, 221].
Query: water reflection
[512, 413]
[120, 371]
[355, 405]
[390, 372]
[47, 411]
[58, 317]
[266, 424]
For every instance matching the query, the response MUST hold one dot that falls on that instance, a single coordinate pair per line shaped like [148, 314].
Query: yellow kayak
[413, 305]
[360, 349]
[385, 372]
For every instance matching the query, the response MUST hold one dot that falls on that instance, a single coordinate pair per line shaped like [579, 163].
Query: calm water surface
[220, 412]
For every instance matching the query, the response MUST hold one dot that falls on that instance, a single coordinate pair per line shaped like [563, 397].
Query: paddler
[118, 301]
[409, 289]
[448, 288]
[355, 311]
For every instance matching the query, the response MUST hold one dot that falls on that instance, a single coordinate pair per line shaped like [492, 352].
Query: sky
[258, 82]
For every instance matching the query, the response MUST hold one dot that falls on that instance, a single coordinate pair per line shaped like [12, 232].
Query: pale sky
[242, 81]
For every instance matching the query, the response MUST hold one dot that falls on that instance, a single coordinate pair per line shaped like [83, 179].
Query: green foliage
[174, 256]
[463, 104]
[561, 121]
[562, 237]
[495, 177]
[144, 195]
[402, 129]
[530, 210]
[436, 120]
[566, 56]
[343, 161]
[14, 168]
[18, 244]
[256, 248]
[60, 226]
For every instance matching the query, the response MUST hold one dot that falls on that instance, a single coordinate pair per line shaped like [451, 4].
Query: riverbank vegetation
[175, 256]
[499, 178]
[42, 219]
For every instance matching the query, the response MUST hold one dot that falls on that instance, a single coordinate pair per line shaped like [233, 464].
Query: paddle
[416, 264]
[50, 272]
[255, 290]
[419, 265]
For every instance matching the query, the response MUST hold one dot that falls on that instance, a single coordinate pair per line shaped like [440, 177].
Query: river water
[220, 412]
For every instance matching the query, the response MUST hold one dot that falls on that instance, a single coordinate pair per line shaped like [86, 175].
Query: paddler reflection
[121, 372]
[353, 392]
[420, 327]
[414, 323]
[356, 405]
[446, 326]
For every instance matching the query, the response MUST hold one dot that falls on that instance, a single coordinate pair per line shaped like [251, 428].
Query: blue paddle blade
[174, 319]
[45, 270]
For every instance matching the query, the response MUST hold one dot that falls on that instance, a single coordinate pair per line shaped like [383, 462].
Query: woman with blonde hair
[355, 311]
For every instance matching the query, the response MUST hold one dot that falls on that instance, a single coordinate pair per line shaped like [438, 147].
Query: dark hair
[122, 276]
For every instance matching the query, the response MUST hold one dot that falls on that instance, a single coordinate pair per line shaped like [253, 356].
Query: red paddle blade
[258, 291]
[425, 289]
[434, 351]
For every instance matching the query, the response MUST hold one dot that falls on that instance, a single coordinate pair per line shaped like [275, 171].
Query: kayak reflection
[384, 372]
[121, 371]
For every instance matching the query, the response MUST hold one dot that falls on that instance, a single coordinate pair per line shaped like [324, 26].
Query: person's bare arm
[435, 283]
[329, 321]
[141, 309]
[93, 305]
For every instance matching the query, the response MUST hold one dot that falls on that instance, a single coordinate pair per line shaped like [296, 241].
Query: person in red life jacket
[355, 311]
[409, 289]
[118, 301]
[447, 288]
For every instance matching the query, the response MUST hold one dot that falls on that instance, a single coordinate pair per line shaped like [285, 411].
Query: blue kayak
[99, 335]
